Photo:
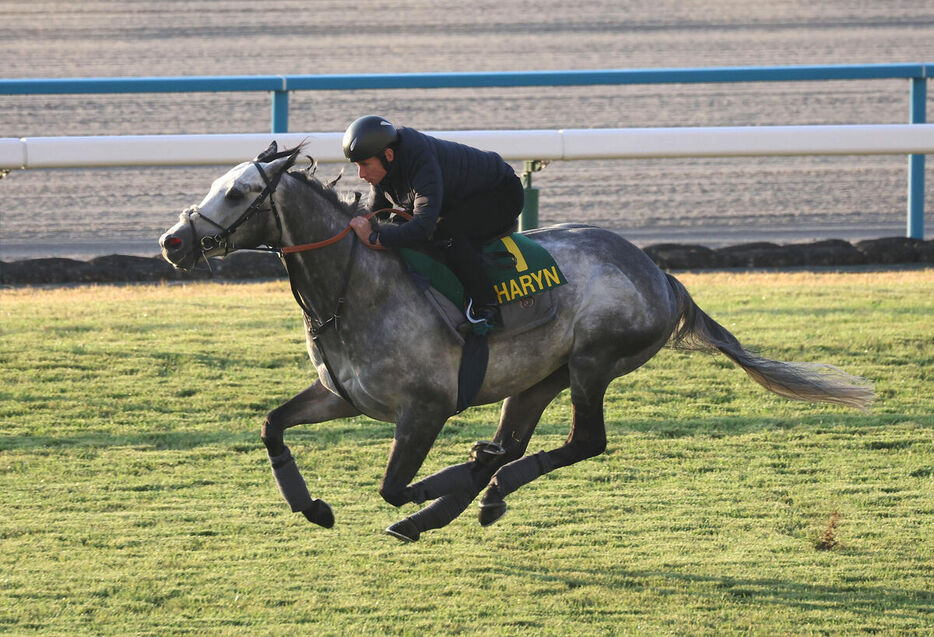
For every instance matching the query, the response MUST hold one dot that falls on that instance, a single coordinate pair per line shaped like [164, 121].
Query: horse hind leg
[451, 490]
[454, 488]
[586, 440]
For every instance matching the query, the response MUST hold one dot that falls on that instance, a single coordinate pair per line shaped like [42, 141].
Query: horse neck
[319, 275]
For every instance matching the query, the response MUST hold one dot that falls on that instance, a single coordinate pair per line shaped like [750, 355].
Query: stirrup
[486, 452]
[476, 321]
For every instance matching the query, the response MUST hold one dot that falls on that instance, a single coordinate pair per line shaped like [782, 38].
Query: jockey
[459, 196]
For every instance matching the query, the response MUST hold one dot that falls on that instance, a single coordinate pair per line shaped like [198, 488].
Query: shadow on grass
[875, 601]
[742, 425]
[356, 430]
[364, 430]
[182, 440]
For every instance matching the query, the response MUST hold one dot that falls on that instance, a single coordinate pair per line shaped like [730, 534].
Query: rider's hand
[361, 226]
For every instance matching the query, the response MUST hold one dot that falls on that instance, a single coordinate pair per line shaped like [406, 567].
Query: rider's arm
[424, 176]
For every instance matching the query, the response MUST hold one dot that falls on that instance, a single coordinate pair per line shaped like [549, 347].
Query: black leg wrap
[520, 472]
[449, 480]
[509, 478]
[461, 477]
[290, 481]
[442, 511]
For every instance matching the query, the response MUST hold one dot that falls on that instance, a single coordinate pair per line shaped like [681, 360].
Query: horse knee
[594, 446]
[271, 435]
[395, 495]
[578, 449]
[589, 447]
[588, 433]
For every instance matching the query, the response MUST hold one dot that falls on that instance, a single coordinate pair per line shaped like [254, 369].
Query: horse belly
[522, 361]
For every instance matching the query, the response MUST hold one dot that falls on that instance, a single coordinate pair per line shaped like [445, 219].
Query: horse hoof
[404, 530]
[490, 513]
[320, 513]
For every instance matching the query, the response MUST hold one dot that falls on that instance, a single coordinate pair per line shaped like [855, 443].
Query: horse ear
[282, 161]
[271, 150]
[312, 167]
[334, 181]
[279, 165]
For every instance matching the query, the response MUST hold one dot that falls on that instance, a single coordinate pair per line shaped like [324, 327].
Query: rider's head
[369, 142]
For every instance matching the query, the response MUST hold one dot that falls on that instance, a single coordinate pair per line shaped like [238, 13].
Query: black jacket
[425, 177]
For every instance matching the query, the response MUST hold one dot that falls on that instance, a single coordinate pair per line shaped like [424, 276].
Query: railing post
[915, 229]
[280, 111]
[529, 218]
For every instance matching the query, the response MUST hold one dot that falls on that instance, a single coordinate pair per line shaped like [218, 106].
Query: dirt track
[83, 213]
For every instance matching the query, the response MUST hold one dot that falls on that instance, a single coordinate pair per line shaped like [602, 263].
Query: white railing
[702, 142]
[514, 145]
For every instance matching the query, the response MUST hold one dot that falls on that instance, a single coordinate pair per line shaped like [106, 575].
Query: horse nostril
[173, 242]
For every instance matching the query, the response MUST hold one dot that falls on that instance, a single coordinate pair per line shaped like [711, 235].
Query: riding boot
[467, 264]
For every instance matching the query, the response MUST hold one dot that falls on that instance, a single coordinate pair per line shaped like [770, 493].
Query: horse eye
[234, 194]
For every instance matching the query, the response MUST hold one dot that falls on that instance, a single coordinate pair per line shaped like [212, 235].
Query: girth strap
[333, 321]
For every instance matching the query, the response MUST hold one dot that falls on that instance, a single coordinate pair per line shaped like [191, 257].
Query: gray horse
[380, 349]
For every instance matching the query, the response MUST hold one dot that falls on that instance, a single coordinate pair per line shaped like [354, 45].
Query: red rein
[305, 247]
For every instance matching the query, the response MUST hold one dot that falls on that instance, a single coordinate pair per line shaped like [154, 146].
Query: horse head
[238, 212]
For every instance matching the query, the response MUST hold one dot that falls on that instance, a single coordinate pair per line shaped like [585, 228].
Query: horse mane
[327, 191]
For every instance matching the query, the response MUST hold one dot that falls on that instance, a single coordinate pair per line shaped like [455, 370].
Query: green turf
[136, 497]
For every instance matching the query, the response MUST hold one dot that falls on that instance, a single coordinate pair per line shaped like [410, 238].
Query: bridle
[221, 239]
[211, 242]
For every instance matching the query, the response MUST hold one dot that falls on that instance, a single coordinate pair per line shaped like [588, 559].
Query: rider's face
[371, 169]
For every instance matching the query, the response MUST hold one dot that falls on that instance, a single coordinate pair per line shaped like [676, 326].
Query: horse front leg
[455, 487]
[416, 432]
[314, 404]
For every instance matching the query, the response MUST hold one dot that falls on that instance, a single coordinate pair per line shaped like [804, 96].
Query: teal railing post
[916, 162]
[280, 111]
[529, 218]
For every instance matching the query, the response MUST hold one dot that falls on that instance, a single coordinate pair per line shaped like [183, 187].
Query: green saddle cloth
[519, 268]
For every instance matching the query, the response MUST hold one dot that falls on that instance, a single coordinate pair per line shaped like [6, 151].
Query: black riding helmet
[367, 137]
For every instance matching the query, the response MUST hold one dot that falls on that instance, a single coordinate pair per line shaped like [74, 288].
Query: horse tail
[812, 382]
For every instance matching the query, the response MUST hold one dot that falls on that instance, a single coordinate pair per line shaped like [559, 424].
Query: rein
[322, 326]
[334, 319]
[305, 247]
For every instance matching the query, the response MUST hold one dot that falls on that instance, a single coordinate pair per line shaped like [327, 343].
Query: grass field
[136, 497]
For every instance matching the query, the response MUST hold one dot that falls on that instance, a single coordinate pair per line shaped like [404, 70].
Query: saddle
[524, 276]
[522, 272]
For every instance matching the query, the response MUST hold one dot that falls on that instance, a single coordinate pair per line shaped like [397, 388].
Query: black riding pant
[471, 222]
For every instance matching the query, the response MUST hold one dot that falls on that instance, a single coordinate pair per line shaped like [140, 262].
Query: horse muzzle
[178, 246]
